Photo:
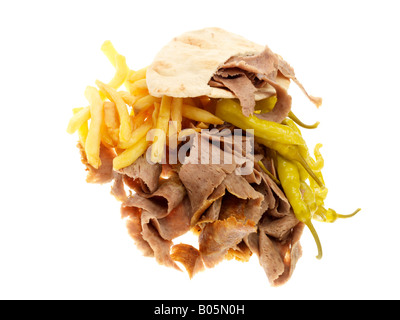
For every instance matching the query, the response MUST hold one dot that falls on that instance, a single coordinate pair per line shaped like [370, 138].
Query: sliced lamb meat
[243, 88]
[200, 181]
[240, 252]
[288, 72]
[243, 75]
[176, 223]
[278, 258]
[117, 189]
[104, 173]
[238, 186]
[279, 228]
[270, 258]
[158, 210]
[218, 237]
[148, 174]
[134, 226]
[160, 246]
[212, 213]
[164, 215]
[234, 215]
[189, 256]
[291, 252]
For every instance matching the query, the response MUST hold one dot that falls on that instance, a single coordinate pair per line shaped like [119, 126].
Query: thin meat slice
[148, 174]
[270, 258]
[212, 213]
[189, 256]
[168, 196]
[288, 72]
[200, 181]
[240, 253]
[176, 223]
[104, 173]
[160, 246]
[218, 237]
[243, 88]
[164, 215]
[244, 75]
[117, 189]
[158, 210]
[132, 217]
[279, 228]
[291, 252]
[278, 258]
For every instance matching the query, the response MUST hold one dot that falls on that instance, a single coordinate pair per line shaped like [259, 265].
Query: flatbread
[186, 64]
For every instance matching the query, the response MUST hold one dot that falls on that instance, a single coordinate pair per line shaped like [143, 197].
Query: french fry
[79, 118]
[129, 156]
[137, 75]
[142, 116]
[145, 102]
[202, 125]
[137, 134]
[187, 132]
[197, 114]
[176, 113]
[111, 121]
[83, 128]
[106, 138]
[204, 100]
[157, 149]
[190, 101]
[110, 52]
[138, 87]
[141, 124]
[121, 72]
[92, 145]
[127, 97]
[125, 122]
[155, 112]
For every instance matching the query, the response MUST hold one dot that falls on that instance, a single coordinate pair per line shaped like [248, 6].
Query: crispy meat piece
[104, 173]
[189, 256]
[148, 174]
[218, 237]
[243, 75]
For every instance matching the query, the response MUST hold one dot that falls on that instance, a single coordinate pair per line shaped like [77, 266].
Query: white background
[61, 238]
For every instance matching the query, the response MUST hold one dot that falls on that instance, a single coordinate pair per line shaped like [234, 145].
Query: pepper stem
[310, 171]
[269, 173]
[344, 216]
[301, 124]
[316, 238]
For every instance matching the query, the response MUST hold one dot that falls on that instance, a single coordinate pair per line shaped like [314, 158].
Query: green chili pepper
[331, 215]
[268, 173]
[313, 166]
[319, 164]
[231, 111]
[308, 197]
[290, 180]
[266, 105]
[291, 152]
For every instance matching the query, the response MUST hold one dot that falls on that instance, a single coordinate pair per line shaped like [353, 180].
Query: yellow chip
[110, 52]
[129, 156]
[157, 149]
[79, 118]
[197, 114]
[92, 145]
[125, 126]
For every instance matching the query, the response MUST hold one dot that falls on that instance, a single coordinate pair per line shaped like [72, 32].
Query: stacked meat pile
[233, 215]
